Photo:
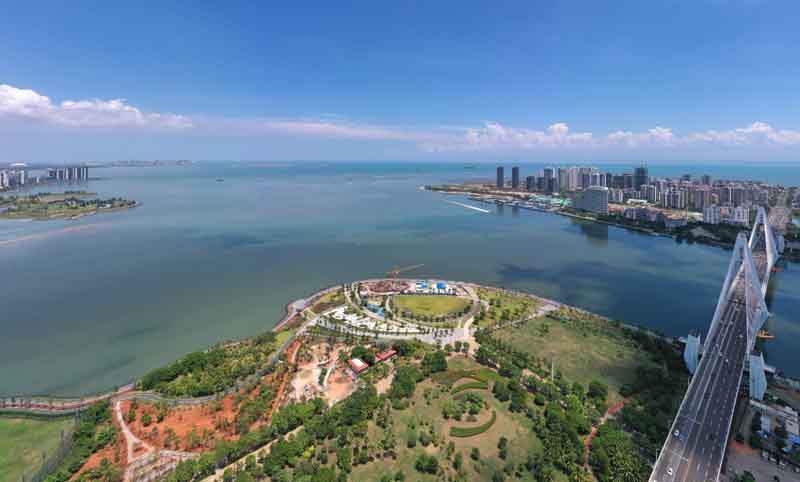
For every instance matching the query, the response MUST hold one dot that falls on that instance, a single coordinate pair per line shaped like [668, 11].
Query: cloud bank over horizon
[21, 105]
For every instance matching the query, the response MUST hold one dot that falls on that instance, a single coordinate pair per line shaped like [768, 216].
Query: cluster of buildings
[14, 177]
[552, 180]
[592, 190]
[72, 173]
[431, 288]
[19, 175]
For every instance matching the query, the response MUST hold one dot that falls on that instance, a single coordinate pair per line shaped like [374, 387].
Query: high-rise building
[650, 192]
[501, 179]
[530, 183]
[740, 215]
[515, 177]
[712, 214]
[706, 180]
[674, 199]
[627, 181]
[701, 197]
[640, 176]
[563, 179]
[574, 178]
[616, 196]
[71, 173]
[593, 199]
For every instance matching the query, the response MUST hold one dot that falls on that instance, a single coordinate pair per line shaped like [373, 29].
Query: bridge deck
[695, 446]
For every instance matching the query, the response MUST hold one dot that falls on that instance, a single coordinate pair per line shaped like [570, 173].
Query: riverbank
[679, 234]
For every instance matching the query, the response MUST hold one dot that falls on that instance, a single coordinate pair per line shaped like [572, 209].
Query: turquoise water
[93, 303]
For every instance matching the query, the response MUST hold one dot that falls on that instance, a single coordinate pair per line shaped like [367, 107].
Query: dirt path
[291, 355]
[587, 446]
[131, 440]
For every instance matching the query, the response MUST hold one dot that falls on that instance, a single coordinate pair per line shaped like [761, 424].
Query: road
[695, 448]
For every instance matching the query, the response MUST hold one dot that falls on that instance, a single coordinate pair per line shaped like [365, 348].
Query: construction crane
[398, 269]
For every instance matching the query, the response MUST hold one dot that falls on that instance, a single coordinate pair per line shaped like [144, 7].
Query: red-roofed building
[385, 355]
[357, 366]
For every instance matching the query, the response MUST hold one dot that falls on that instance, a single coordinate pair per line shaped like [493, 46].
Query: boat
[220, 180]
[764, 335]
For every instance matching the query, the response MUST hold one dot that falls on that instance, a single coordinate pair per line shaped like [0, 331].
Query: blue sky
[539, 81]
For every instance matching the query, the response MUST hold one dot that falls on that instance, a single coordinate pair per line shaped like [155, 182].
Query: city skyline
[705, 81]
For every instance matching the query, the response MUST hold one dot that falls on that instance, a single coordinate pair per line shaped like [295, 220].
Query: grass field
[22, 442]
[430, 305]
[328, 301]
[504, 306]
[583, 351]
[282, 336]
[425, 414]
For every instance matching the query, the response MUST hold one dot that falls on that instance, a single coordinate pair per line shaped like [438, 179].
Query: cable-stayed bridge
[695, 447]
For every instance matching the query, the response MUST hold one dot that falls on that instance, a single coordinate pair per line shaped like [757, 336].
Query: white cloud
[29, 104]
[490, 137]
[496, 137]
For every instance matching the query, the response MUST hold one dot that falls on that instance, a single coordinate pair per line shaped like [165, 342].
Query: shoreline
[560, 212]
[128, 390]
[72, 217]
[59, 405]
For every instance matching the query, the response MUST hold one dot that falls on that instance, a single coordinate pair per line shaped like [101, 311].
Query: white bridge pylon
[770, 242]
[743, 278]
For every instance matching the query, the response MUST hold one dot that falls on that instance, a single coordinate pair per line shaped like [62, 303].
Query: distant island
[65, 205]
[147, 163]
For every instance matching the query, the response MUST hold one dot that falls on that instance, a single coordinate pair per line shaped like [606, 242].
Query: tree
[598, 390]
[746, 477]
[502, 446]
[131, 414]
[458, 461]
[364, 354]
[426, 463]
[475, 453]
[434, 362]
[344, 459]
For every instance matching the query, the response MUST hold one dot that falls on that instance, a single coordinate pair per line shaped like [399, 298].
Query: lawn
[430, 305]
[583, 350]
[282, 336]
[327, 301]
[22, 442]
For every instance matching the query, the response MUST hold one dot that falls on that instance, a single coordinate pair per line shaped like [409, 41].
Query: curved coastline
[47, 405]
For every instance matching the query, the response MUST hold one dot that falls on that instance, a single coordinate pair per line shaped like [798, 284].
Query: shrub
[470, 386]
[472, 431]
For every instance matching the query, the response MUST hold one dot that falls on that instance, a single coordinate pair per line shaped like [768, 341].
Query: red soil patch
[203, 419]
[287, 375]
[115, 452]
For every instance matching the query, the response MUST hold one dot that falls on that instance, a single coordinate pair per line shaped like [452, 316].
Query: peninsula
[383, 379]
[65, 205]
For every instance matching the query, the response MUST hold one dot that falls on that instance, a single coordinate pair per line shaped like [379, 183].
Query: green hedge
[472, 431]
[471, 386]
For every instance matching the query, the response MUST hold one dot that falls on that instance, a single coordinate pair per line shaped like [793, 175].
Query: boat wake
[468, 206]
